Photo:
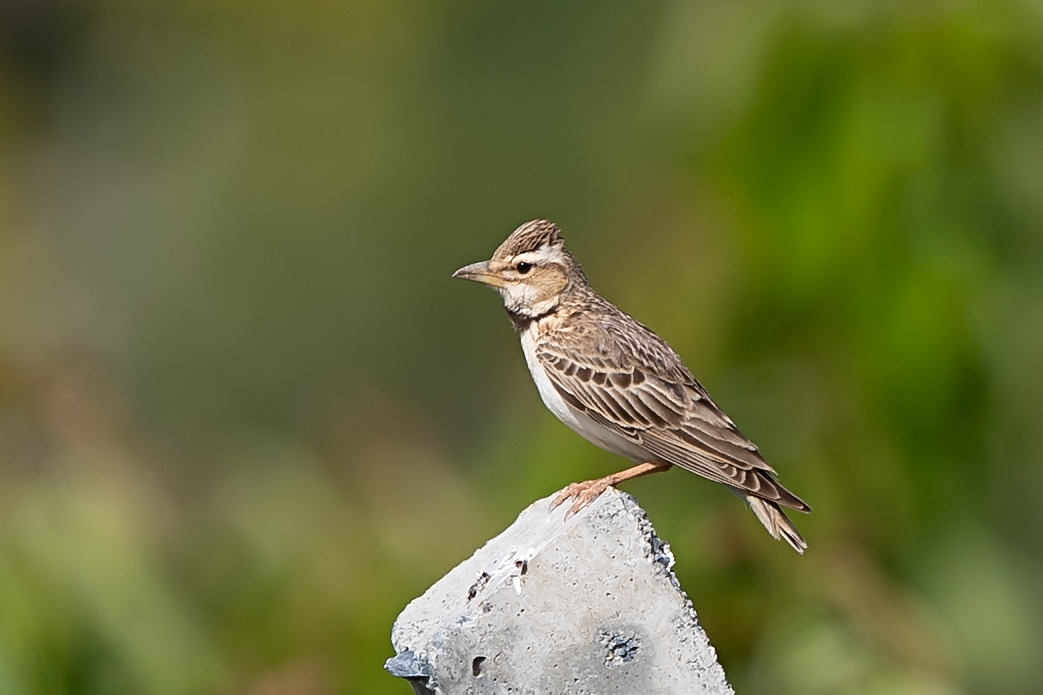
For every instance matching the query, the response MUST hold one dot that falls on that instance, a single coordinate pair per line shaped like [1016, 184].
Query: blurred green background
[246, 415]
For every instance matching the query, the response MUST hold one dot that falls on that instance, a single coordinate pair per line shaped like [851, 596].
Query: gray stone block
[582, 605]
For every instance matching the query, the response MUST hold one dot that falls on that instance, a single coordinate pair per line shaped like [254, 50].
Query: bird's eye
[524, 267]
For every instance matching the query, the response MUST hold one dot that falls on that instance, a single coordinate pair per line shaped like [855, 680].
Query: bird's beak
[479, 272]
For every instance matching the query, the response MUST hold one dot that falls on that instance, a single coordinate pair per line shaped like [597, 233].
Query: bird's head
[531, 269]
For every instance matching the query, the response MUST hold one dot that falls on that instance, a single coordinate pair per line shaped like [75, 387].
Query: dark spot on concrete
[620, 648]
[479, 584]
[476, 666]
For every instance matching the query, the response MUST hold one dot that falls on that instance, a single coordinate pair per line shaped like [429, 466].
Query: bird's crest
[531, 236]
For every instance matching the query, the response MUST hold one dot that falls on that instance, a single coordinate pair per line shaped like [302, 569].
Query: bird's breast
[551, 398]
[578, 421]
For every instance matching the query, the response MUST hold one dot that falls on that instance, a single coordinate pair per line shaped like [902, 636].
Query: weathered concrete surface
[582, 605]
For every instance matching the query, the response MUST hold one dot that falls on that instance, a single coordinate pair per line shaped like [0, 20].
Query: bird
[618, 384]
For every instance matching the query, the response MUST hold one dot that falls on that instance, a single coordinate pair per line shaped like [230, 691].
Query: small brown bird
[618, 384]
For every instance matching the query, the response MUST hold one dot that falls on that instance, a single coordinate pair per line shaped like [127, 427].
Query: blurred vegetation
[245, 415]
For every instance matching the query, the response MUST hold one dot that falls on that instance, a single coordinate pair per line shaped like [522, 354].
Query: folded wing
[640, 389]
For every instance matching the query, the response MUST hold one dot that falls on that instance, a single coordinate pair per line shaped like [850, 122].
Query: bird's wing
[623, 376]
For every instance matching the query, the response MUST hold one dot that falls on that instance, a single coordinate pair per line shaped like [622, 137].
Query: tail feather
[777, 523]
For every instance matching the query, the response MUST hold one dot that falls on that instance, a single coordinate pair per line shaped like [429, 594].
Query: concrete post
[587, 604]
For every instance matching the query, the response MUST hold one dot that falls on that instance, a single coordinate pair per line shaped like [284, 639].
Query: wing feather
[636, 386]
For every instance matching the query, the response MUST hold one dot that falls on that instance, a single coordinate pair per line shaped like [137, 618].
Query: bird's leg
[585, 492]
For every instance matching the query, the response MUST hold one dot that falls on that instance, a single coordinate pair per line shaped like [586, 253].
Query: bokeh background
[246, 415]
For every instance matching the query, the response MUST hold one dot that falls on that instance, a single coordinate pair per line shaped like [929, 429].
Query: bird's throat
[521, 321]
[523, 316]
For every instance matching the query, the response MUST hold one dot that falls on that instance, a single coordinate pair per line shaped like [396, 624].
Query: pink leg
[585, 492]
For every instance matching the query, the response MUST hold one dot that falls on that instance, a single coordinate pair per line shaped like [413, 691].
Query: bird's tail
[777, 523]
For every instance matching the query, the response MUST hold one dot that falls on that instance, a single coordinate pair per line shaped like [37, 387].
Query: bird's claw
[582, 494]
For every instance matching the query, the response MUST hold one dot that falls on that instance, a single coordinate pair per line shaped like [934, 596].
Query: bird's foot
[582, 494]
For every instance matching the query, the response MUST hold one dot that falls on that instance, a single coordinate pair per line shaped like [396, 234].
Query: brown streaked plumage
[618, 384]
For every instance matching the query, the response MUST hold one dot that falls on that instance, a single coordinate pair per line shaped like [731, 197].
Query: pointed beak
[479, 272]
